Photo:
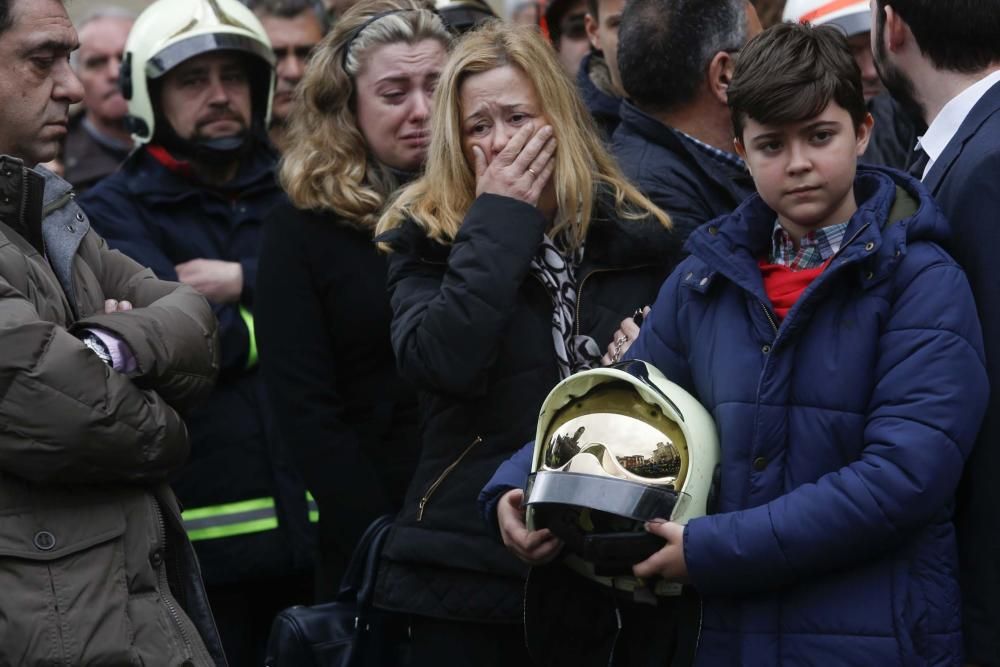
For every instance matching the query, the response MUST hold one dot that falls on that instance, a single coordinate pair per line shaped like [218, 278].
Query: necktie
[919, 163]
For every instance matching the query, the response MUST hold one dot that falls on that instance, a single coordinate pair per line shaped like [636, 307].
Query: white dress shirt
[943, 128]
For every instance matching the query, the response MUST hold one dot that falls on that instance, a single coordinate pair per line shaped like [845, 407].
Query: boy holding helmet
[838, 348]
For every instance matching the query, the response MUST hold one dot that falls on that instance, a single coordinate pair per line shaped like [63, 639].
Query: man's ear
[720, 74]
[590, 25]
[896, 30]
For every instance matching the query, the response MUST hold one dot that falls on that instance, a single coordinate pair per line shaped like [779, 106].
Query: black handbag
[350, 631]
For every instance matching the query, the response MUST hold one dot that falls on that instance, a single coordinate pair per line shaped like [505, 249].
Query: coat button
[759, 463]
[765, 348]
[870, 246]
[79, 216]
[713, 230]
[156, 558]
[44, 540]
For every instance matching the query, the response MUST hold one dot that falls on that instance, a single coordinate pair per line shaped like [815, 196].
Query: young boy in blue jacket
[838, 348]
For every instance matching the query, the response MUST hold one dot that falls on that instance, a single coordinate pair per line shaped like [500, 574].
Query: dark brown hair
[791, 72]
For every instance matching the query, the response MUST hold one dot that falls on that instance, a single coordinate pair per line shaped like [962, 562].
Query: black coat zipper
[440, 478]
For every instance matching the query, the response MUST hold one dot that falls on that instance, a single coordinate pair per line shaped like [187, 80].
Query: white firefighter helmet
[851, 16]
[170, 32]
[616, 447]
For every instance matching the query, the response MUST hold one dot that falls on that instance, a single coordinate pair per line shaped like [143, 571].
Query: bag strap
[358, 583]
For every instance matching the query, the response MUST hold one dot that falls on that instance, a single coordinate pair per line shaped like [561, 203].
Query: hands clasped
[522, 169]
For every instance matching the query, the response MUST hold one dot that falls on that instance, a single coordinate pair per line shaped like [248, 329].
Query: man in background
[98, 139]
[294, 28]
[598, 80]
[675, 140]
[941, 60]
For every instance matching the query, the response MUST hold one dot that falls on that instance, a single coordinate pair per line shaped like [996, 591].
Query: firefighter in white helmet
[190, 204]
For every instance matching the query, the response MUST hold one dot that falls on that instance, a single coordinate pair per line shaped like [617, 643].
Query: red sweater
[784, 286]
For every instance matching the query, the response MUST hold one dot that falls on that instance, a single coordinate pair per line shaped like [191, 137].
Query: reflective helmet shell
[853, 17]
[170, 32]
[698, 437]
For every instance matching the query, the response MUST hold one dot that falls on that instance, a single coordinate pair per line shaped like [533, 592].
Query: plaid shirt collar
[815, 248]
[725, 157]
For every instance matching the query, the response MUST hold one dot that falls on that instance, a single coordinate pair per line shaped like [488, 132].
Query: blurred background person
[565, 21]
[598, 79]
[98, 139]
[675, 140]
[359, 130]
[513, 260]
[294, 28]
[769, 11]
[895, 133]
[462, 15]
[190, 204]
[526, 13]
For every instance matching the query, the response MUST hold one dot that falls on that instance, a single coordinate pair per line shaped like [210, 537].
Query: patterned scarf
[574, 352]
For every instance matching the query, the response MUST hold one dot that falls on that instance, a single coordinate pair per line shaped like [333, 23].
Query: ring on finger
[533, 172]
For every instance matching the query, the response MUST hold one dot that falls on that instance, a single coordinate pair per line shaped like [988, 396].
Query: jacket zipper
[701, 619]
[164, 583]
[447, 471]
[767, 312]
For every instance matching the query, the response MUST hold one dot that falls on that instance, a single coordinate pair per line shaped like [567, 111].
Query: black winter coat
[687, 183]
[472, 329]
[323, 331]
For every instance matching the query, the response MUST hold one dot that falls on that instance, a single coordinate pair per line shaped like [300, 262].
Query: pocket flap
[52, 532]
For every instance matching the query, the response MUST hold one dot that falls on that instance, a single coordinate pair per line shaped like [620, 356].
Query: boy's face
[805, 170]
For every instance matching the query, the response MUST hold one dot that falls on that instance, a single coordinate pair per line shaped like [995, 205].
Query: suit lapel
[986, 107]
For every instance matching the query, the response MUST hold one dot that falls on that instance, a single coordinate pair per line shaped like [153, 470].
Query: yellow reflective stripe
[313, 508]
[228, 508]
[248, 321]
[243, 528]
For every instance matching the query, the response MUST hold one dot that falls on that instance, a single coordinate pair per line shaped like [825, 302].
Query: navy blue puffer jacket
[844, 431]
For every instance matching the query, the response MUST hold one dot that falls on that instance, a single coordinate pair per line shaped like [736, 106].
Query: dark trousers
[457, 644]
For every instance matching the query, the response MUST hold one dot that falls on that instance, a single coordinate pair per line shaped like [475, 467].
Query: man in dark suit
[942, 59]
[675, 140]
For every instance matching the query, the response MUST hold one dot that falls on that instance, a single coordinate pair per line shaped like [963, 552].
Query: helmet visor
[176, 53]
[612, 431]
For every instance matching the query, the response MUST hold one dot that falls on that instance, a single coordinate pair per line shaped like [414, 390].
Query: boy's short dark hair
[791, 72]
[959, 35]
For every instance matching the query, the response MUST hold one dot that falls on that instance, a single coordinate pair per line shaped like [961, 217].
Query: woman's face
[495, 105]
[394, 89]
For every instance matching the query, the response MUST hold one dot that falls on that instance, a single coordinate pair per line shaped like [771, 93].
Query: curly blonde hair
[328, 164]
[439, 200]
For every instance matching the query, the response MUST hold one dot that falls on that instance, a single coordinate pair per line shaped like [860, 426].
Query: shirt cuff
[122, 359]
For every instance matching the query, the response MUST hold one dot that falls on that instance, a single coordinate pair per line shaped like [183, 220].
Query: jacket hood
[594, 82]
[894, 210]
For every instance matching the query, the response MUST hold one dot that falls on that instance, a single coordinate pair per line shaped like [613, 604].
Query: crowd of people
[273, 269]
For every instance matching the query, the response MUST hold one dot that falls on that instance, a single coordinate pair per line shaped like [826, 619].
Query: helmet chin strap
[213, 152]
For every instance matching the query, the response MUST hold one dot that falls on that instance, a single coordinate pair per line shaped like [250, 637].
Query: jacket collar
[153, 181]
[22, 193]
[984, 109]
[599, 102]
[737, 183]
[894, 210]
